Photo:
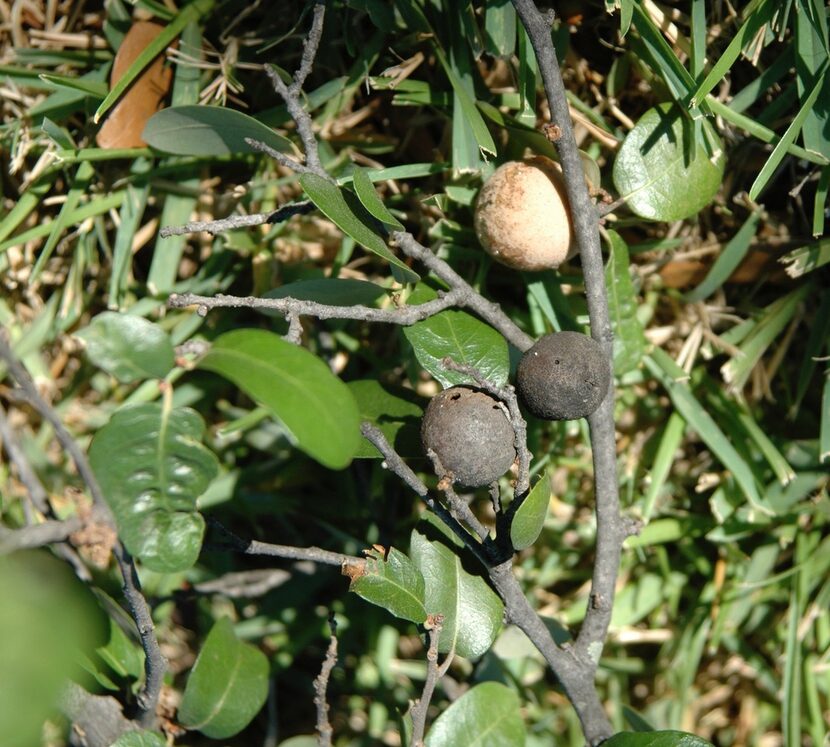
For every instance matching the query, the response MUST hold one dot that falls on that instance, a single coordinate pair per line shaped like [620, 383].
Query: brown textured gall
[470, 434]
[564, 376]
[522, 217]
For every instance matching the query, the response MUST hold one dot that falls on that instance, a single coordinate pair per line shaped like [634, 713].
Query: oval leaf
[331, 202]
[397, 413]
[668, 167]
[486, 716]
[297, 387]
[151, 468]
[368, 197]
[629, 340]
[465, 339]
[128, 347]
[393, 583]
[656, 739]
[227, 687]
[530, 517]
[472, 611]
[208, 131]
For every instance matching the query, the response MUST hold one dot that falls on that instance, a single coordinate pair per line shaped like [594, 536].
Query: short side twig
[239, 221]
[418, 711]
[321, 683]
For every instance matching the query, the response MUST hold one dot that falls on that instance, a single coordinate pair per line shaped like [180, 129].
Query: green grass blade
[824, 428]
[80, 186]
[742, 39]
[787, 138]
[178, 208]
[132, 210]
[807, 258]
[663, 368]
[812, 50]
[189, 13]
[769, 325]
[697, 61]
[92, 88]
[27, 202]
[820, 201]
[728, 259]
[819, 334]
[96, 207]
[764, 134]
[663, 460]
[751, 92]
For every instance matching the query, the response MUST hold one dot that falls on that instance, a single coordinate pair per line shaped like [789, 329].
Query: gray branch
[321, 683]
[37, 535]
[239, 221]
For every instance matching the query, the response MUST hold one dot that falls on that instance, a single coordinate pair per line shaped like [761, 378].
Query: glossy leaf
[370, 200]
[663, 170]
[152, 467]
[656, 739]
[530, 517]
[331, 202]
[193, 130]
[130, 348]
[394, 583]
[227, 687]
[396, 412]
[297, 387]
[465, 339]
[472, 611]
[331, 291]
[486, 716]
[140, 739]
[629, 340]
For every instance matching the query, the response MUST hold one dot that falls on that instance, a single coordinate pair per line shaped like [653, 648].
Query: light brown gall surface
[522, 217]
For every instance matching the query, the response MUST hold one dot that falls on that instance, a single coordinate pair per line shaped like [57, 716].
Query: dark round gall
[470, 433]
[564, 376]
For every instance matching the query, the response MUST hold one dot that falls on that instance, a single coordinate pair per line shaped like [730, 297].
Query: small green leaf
[296, 386]
[141, 739]
[629, 340]
[192, 130]
[227, 687]
[656, 739]
[472, 611]
[396, 412]
[530, 517]
[331, 291]
[663, 171]
[393, 583]
[465, 339]
[130, 348]
[151, 468]
[370, 200]
[331, 202]
[486, 716]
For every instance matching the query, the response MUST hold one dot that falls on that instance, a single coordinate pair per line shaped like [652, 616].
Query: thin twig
[459, 509]
[404, 315]
[34, 487]
[239, 221]
[321, 683]
[393, 462]
[489, 311]
[37, 535]
[154, 662]
[281, 158]
[418, 711]
[254, 547]
[291, 93]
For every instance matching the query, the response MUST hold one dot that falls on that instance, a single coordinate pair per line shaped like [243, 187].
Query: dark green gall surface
[564, 376]
[470, 433]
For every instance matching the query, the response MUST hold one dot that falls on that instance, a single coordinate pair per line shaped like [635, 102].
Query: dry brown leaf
[124, 124]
